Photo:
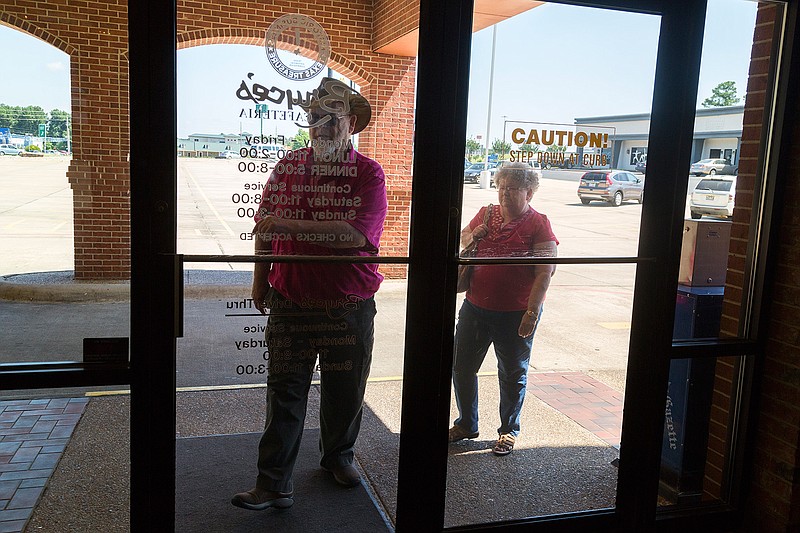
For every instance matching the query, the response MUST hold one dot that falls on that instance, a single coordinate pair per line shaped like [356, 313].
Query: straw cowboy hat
[359, 106]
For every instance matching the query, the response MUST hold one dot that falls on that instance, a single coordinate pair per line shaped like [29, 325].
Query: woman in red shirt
[503, 303]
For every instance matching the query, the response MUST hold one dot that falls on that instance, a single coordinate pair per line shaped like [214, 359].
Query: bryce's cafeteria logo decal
[305, 47]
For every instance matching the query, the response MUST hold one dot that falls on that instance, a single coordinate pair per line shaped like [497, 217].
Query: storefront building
[156, 404]
[717, 135]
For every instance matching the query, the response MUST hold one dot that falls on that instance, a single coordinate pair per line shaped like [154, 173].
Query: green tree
[473, 147]
[8, 117]
[500, 147]
[556, 149]
[722, 95]
[59, 124]
[299, 140]
[29, 118]
[530, 148]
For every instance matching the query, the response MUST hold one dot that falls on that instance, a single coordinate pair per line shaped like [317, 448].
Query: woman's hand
[259, 293]
[480, 232]
[526, 325]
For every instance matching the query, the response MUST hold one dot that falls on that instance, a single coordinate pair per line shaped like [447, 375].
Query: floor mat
[211, 469]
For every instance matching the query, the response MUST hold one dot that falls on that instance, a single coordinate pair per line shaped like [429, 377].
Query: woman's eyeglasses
[512, 189]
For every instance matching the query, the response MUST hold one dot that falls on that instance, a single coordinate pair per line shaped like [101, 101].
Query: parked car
[228, 154]
[9, 149]
[535, 165]
[473, 173]
[709, 167]
[612, 186]
[713, 196]
[641, 166]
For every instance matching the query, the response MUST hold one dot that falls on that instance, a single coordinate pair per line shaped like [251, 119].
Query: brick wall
[773, 503]
[394, 19]
[727, 368]
[94, 35]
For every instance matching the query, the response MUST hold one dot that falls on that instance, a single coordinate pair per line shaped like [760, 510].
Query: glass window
[541, 351]
[727, 175]
[64, 266]
[724, 199]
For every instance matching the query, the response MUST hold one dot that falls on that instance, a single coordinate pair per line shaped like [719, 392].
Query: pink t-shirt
[507, 287]
[353, 190]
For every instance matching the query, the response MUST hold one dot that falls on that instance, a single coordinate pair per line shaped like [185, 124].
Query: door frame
[443, 74]
[444, 42]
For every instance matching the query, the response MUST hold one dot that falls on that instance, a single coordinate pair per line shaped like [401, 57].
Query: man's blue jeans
[478, 328]
[344, 340]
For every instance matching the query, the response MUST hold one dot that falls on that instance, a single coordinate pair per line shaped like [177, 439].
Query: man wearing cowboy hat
[330, 200]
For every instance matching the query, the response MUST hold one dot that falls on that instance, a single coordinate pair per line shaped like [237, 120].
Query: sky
[552, 64]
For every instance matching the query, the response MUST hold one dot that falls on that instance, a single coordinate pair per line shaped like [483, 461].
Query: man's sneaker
[257, 499]
[458, 433]
[345, 475]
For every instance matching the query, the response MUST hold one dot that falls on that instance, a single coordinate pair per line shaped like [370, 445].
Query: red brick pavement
[590, 403]
[33, 435]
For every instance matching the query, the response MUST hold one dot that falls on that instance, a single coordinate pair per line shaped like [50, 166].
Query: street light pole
[504, 134]
[489, 107]
[485, 181]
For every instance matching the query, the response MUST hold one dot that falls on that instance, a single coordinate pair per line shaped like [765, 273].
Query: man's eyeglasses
[315, 120]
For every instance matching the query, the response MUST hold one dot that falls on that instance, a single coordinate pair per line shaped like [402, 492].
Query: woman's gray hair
[520, 173]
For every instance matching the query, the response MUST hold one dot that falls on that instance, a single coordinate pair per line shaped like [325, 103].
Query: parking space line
[615, 325]
[208, 202]
[17, 223]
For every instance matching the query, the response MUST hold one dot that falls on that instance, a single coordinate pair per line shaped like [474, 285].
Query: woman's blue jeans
[477, 328]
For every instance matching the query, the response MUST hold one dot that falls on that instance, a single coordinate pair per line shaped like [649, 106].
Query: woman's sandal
[458, 433]
[504, 445]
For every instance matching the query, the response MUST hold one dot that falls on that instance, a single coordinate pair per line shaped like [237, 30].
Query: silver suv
[612, 186]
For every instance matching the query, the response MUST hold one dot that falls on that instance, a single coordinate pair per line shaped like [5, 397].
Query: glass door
[276, 301]
[294, 172]
[64, 265]
[541, 349]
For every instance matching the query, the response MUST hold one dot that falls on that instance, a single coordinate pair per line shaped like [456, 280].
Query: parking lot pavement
[587, 313]
[36, 214]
